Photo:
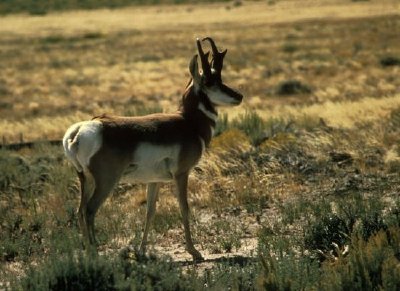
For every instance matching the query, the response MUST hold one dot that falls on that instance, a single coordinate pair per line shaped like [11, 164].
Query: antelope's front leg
[152, 193]
[181, 183]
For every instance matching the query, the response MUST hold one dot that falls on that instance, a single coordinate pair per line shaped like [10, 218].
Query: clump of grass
[227, 236]
[61, 39]
[237, 3]
[289, 48]
[370, 265]
[92, 272]
[389, 61]
[292, 87]
[283, 269]
[232, 140]
[24, 177]
[359, 250]
[394, 118]
[327, 234]
[166, 219]
[235, 274]
[222, 124]
[278, 140]
[251, 124]
[4, 91]
[83, 273]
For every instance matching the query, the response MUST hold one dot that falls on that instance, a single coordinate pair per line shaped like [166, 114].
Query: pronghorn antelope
[151, 149]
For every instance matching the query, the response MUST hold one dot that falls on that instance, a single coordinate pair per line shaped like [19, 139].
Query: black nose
[240, 97]
[233, 93]
[237, 96]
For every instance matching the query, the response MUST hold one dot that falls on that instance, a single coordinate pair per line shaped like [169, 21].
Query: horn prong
[204, 59]
[212, 43]
[217, 57]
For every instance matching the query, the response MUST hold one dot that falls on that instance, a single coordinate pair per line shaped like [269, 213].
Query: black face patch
[214, 80]
[210, 80]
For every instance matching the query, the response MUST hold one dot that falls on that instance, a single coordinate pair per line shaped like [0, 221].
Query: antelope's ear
[194, 70]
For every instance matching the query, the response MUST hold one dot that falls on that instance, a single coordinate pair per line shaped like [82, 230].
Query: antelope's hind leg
[152, 196]
[86, 192]
[106, 172]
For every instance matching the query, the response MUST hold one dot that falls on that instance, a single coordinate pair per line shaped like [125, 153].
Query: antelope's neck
[198, 110]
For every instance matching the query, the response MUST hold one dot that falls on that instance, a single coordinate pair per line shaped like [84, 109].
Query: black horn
[204, 60]
[218, 57]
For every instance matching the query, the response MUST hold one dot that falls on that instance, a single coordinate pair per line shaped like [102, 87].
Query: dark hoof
[197, 257]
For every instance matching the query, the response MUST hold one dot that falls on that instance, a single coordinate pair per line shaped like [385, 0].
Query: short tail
[81, 141]
[71, 143]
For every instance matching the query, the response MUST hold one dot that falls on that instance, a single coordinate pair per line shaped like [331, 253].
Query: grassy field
[298, 191]
[43, 7]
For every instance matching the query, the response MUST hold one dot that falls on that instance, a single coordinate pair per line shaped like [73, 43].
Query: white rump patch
[81, 141]
[218, 97]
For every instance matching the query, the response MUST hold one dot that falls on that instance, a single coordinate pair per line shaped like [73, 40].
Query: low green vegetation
[321, 236]
[298, 190]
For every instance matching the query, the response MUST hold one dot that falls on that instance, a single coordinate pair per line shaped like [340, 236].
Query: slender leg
[100, 194]
[86, 192]
[106, 169]
[152, 194]
[181, 183]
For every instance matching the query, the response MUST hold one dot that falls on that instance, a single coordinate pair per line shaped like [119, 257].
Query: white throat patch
[208, 113]
[218, 97]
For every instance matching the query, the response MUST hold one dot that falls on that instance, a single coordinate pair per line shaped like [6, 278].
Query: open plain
[299, 189]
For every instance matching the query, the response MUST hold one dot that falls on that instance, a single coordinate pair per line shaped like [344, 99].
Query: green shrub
[287, 270]
[251, 124]
[81, 273]
[370, 265]
[234, 274]
[371, 224]
[22, 237]
[24, 177]
[151, 273]
[8, 250]
[256, 128]
[326, 234]
[12, 166]
[222, 124]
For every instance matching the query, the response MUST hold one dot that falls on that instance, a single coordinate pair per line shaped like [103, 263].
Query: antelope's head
[209, 79]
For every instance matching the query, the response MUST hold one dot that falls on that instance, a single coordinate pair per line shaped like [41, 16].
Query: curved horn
[218, 57]
[204, 59]
[213, 46]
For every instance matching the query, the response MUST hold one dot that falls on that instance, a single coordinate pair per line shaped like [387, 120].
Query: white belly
[153, 163]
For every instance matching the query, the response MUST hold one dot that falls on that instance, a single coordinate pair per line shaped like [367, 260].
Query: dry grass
[63, 67]
[250, 190]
